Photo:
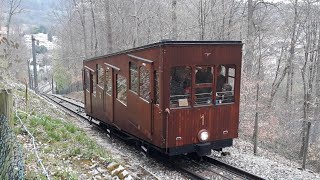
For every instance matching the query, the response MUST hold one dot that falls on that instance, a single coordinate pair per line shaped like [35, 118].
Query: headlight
[203, 135]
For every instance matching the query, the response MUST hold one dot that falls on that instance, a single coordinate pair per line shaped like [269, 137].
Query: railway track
[234, 170]
[208, 168]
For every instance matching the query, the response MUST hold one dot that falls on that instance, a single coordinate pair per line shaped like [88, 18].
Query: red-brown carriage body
[166, 94]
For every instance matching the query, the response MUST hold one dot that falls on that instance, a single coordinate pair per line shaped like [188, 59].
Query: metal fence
[11, 159]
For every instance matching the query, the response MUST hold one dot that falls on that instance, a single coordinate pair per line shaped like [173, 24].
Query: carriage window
[87, 80]
[204, 74]
[144, 83]
[100, 75]
[204, 79]
[133, 77]
[94, 83]
[225, 84]
[122, 89]
[108, 84]
[156, 87]
[180, 86]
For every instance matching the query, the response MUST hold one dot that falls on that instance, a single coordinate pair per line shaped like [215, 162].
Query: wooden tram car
[175, 96]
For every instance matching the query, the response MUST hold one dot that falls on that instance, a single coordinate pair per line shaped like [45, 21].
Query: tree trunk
[82, 16]
[174, 20]
[258, 79]
[95, 48]
[278, 78]
[289, 86]
[307, 77]
[249, 49]
[316, 127]
[135, 40]
[109, 27]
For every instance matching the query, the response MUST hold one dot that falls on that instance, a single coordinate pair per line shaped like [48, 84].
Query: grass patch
[60, 141]
[70, 127]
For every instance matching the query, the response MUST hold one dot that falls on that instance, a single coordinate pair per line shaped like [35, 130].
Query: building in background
[41, 40]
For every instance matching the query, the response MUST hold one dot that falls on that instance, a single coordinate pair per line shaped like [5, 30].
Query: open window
[203, 88]
[180, 86]
[100, 75]
[225, 84]
[108, 83]
[121, 89]
[87, 77]
[94, 83]
[133, 77]
[144, 80]
[156, 88]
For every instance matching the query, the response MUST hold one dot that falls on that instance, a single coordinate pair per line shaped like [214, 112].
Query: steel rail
[74, 111]
[67, 101]
[239, 172]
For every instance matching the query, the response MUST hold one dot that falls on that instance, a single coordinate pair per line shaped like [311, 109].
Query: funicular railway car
[175, 96]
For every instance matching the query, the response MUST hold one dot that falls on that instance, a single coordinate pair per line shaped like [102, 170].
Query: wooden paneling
[108, 108]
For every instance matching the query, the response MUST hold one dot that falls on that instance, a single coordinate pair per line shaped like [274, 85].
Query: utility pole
[174, 20]
[34, 64]
[29, 75]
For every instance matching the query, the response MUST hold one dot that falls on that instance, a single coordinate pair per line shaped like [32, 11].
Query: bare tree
[14, 8]
[174, 20]
[249, 52]
[94, 40]
[308, 71]
[81, 9]
[290, 71]
[316, 127]
[109, 26]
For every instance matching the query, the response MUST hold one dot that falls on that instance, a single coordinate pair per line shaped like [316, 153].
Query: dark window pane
[221, 78]
[180, 86]
[204, 74]
[226, 94]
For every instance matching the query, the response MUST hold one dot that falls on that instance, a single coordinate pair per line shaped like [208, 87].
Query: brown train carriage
[177, 96]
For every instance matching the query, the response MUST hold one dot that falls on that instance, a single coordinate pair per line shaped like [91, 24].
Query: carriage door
[88, 77]
[142, 107]
[145, 80]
